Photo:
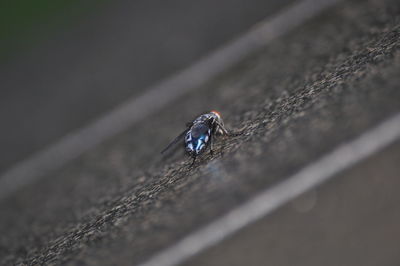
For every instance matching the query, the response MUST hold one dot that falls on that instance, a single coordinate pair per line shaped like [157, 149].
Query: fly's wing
[176, 140]
[198, 130]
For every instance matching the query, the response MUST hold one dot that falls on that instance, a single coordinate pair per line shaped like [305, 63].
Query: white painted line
[157, 97]
[269, 200]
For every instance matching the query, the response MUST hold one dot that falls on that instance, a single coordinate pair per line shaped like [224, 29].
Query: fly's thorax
[203, 119]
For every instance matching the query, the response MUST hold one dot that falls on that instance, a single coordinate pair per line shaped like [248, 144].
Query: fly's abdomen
[196, 144]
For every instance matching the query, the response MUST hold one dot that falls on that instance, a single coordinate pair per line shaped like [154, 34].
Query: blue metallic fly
[200, 133]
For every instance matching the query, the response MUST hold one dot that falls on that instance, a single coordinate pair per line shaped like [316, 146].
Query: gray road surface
[295, 100]
[115, 51]
[352, 220]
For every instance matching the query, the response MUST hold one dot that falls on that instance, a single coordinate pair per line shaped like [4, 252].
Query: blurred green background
[65, 63]
[23, 23]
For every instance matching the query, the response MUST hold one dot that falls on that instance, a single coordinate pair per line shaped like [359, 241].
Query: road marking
[343, 157]
[157, 97]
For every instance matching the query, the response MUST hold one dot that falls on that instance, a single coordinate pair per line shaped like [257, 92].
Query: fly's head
[218, 119]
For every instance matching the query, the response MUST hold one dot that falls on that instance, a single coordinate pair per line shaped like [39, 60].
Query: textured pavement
[352, 220]
[298, 98]
[112, 51]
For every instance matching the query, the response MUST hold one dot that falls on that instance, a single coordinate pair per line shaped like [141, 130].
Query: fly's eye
[216, 113]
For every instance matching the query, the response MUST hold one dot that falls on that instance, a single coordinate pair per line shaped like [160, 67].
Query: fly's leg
[194, 159]
[212, 144]
[220, 126]
[226, 132]
[213, 132]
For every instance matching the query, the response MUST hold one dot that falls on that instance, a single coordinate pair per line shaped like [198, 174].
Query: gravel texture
[291, 102]
[351, 220]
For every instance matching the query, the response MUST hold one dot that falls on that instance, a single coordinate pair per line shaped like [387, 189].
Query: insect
[200, 133]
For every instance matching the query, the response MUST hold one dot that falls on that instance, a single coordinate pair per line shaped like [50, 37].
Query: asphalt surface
[324, 83]
[108, 53]
[352, 220]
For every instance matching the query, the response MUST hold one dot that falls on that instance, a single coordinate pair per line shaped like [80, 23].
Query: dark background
[299, 97]
[65, 62]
